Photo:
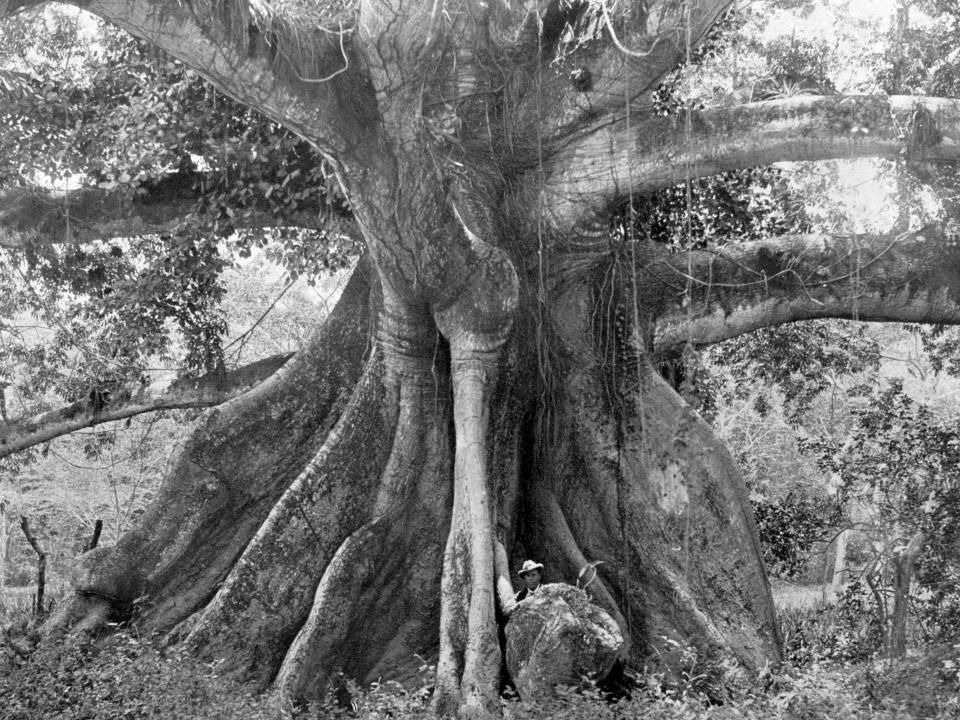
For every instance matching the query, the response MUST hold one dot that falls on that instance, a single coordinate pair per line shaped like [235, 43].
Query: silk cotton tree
[484, 388]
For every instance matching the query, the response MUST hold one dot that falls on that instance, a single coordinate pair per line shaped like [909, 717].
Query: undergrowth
[125, 677]
[119, 677]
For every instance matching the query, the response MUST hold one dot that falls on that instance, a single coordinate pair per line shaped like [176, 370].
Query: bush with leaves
[789, 526]
[123, 677]
[902, 461]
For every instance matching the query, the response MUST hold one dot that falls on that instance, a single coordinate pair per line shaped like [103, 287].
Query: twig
[242, 338]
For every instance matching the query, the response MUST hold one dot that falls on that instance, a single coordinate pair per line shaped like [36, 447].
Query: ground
[125, 676]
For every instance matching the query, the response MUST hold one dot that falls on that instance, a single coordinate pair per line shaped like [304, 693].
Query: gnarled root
[231, 473]
[375, 607]
[266, 597]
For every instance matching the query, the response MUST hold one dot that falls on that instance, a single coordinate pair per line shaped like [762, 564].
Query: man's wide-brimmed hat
[529, 566]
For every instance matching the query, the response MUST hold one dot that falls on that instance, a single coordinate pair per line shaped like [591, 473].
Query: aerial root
[468, 671]
[469, 664]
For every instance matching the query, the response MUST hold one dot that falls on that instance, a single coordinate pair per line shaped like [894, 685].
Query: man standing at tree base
[530, 573]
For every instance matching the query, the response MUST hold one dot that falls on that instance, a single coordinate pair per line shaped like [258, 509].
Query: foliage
[924, 685]
[111, 472]
[904, 462]
[802, 360]
[126, 676]
[844, 631]
[788, 527]
[97, 109]
[736, 206]
[942, 347]
[120, 678]
[107, 474]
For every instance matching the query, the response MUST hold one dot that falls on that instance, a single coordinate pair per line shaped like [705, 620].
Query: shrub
[846, 631]
[123, 677]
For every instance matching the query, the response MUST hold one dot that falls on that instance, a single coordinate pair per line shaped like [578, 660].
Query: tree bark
[640, 155]
[231, 472]
[713, 295]
[840, 571]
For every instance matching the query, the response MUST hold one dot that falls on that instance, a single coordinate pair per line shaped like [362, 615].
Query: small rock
[558, 637]
[21, 647]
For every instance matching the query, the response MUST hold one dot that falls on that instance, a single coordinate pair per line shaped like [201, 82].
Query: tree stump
[558, 637]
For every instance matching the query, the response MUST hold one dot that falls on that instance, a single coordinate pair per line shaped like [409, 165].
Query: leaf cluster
[789, 526]
[89, 107]
[803, 360]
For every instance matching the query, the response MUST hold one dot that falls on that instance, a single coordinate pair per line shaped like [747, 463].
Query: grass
[18, 601]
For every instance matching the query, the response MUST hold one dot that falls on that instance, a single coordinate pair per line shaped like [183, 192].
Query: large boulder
[558, 637]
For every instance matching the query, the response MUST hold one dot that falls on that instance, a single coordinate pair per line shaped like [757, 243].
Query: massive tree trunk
[486, 377]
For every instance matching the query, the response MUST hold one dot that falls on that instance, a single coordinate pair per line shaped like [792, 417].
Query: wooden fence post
[3, 551]
[41, 563]
[903, 572]
[97, 529]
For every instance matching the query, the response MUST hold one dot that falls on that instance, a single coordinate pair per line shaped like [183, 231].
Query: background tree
[487, 375]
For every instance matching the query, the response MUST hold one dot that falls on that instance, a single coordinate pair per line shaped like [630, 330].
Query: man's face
[531, 579]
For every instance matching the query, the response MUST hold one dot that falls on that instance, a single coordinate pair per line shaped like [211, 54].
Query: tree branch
[715, 295]
[205, 391]
[82, 215]
[88, 214]
[602, 167]
[258, 59]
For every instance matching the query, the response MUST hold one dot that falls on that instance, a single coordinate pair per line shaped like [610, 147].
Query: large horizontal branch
[304, 80]
[710, 296]
[597, 170]
[30, 213]
[625, 51]
[85, 214]
[205, 391]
